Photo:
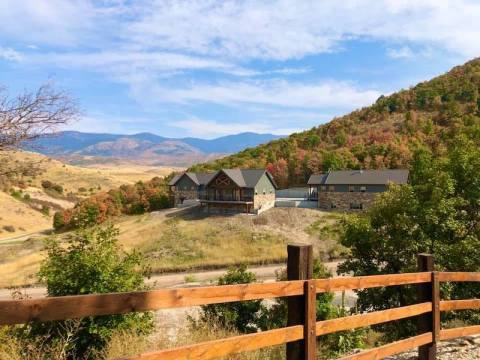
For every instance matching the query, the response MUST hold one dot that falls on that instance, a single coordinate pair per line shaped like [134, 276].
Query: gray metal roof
[361, 177]
[197, 178]
[246, 178]
[316, 179]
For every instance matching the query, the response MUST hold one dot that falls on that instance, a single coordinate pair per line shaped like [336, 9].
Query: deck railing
[302, 329]
[225, 198]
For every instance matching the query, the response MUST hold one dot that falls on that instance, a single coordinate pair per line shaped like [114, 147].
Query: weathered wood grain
[459, 276]
[448, 334]
[218, 348]
[69, 307]
[452, 305]
[377, 317]
[365, 282]
[309, 334]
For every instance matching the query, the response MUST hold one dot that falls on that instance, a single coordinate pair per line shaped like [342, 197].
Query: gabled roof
[317, 179]
[361, 177]
[245, 178]
[197, 178]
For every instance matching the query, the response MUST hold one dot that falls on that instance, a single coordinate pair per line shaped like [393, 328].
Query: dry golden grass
[128, 343]
[190, 240]
[25, 220]
[19, 215]
[104, 176]
[125, 344]
[130, 173]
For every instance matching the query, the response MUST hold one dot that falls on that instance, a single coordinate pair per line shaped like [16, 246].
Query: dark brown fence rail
[302, 329]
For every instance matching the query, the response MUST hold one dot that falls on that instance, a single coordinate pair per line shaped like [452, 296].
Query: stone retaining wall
[342, 200]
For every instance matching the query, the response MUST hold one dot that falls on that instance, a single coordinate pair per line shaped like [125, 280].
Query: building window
[331, 188]
[363, 188]
[333, 205]
[351, 188]
[356, 206]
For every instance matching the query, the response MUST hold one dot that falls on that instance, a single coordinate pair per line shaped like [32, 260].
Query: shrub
[92, 263]
[47, 184]
[9, 228]
[58, 188]
[58, 220]
[242, 316]
[127, 199]
[45, 210]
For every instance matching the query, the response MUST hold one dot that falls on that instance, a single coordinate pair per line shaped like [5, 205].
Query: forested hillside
[383, 135]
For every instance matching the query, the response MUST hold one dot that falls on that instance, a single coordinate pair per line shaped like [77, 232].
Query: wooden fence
[302, 328]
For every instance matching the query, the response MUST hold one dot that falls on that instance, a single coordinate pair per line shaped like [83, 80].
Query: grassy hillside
[17, 218]
[174, 240]
[380, 136]
[72, 178]
[26, 205]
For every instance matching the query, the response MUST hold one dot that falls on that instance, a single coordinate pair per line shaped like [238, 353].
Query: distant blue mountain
[145, 145]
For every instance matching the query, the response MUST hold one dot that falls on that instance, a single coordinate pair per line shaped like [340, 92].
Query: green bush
[92, 263]
[243, 316]
[45, 210]
[58, 220]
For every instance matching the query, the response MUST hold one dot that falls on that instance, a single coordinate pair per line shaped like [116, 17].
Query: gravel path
[466, 348]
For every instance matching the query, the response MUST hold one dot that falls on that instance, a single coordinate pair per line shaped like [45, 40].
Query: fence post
[299, 267]
[429, 322]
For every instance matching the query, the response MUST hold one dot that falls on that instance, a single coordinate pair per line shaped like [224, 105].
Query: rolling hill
[383, 135]
[147, 148]
[24, 200]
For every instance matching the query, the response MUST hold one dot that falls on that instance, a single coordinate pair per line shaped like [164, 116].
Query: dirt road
[196, 278]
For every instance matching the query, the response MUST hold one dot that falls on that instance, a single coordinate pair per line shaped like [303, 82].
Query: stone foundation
[342, 200]
[263, 202]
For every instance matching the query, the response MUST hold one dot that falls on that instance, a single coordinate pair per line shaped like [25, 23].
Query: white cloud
[249, 29]
[287, 29]
[400, 53]
[211, 129]
[130, 62]
[269, 92]
[10, 54]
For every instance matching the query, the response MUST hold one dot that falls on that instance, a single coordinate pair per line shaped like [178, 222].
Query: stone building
[188, 186]
[227, 190]
[353, 189]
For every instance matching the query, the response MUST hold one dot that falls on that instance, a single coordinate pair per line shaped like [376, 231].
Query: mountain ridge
[144, 146]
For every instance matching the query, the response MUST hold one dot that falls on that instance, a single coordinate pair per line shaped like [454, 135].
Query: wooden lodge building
[226, 190]
[352, 189]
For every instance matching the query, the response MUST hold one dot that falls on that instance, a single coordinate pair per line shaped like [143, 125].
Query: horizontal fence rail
[301, 335]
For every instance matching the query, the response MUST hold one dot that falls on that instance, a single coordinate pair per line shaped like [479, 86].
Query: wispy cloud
[269, 92]
[10, 54]
[212, 129]
[403, 52]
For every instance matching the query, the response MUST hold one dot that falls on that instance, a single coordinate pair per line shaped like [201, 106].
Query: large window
[363, 188]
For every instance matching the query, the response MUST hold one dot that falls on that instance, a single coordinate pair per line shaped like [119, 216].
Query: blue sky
[211, 68]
